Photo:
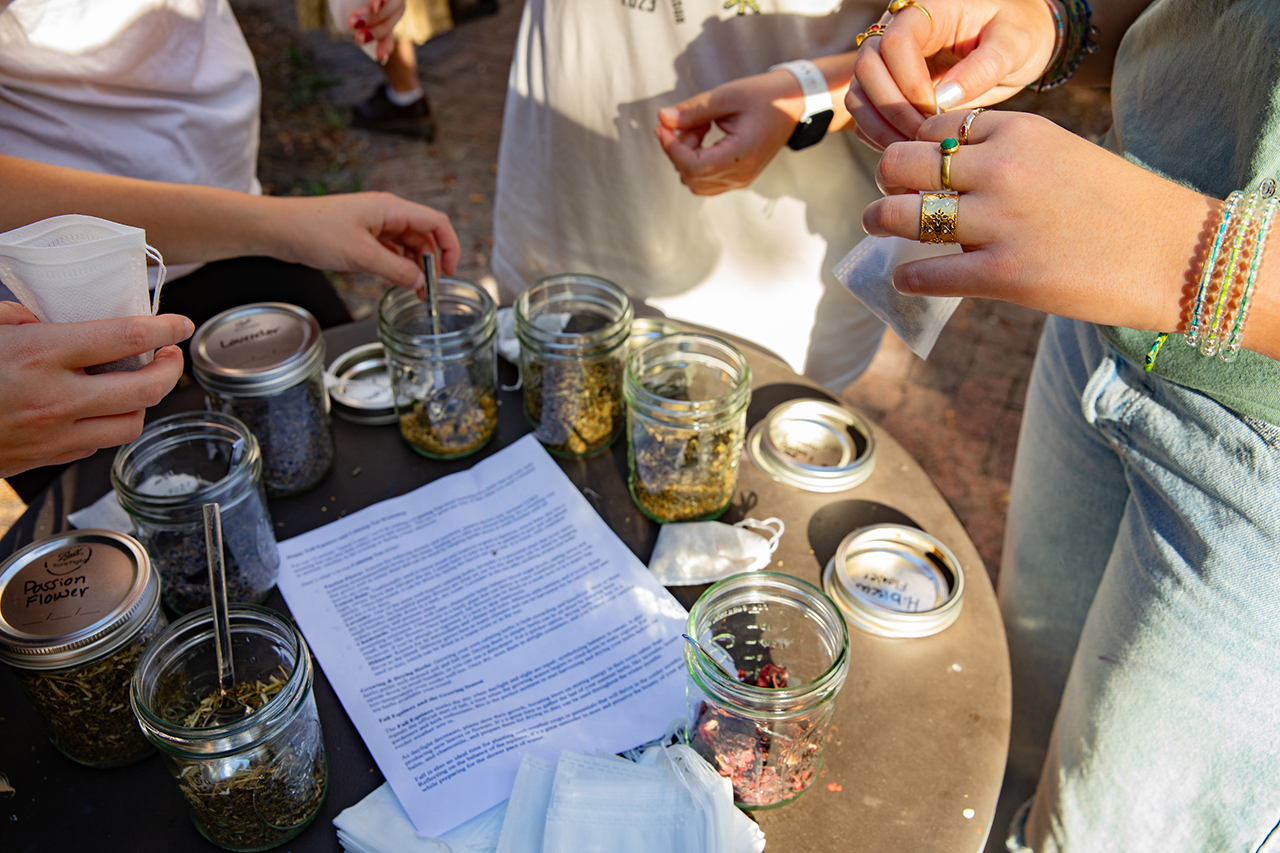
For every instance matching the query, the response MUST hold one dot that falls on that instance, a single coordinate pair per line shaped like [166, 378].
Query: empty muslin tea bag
[696, 552]
[73, 268]
[867, 272]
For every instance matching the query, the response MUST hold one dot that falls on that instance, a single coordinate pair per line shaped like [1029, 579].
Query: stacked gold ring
[873, 30]
[898, 5]
[939, 217]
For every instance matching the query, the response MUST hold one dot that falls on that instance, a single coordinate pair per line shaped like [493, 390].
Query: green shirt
[1196, 98]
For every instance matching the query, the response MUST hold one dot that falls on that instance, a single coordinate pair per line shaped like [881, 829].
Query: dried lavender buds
[680, 475]
[86, 709]
[293, 430]
[450, 424]
[249, 547]
[575, 407]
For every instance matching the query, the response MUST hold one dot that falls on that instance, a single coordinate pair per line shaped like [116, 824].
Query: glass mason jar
[254, 777]
[573, 331]
[687, 397]
[264, 364]
[76, 612]
[443, 368]
[788, 645]
[163, 478]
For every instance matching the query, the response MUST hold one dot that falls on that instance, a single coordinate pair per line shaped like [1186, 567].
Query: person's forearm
[1113, 19]
[838, 70]
[187, 223]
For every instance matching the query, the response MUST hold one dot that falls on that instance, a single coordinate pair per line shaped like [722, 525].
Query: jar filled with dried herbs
[787, 647]
[573, 331]
[264, 364]
[163, 478]
[442, 366]
[76, 613]
[687, 397]
[251, 764]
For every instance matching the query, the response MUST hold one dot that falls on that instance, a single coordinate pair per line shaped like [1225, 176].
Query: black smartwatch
[818, 109]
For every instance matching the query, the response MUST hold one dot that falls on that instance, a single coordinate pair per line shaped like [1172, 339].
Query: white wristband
[817, 97]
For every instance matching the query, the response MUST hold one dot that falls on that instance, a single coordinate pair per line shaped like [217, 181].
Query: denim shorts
[1140, 591]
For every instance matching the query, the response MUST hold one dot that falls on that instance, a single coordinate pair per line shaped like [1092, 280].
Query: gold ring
[948, 147]
[968, 120]
[873, 30]
[898, 5]
[939, 217]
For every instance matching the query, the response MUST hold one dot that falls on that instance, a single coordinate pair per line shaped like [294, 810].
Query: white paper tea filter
[669, 800]
[867, 272]
[73, 268]
[689, 553]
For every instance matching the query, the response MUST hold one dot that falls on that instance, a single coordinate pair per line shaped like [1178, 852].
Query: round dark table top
[917, 747]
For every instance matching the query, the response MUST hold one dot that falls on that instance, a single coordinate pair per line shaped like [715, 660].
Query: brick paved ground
[958, 413]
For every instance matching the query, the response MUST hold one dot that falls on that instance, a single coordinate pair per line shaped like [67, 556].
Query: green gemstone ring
[948, 147]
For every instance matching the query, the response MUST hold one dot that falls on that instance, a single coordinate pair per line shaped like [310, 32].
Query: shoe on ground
[378, 113]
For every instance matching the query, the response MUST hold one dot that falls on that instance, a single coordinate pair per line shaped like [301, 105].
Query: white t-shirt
[584, 186]
[164, 90]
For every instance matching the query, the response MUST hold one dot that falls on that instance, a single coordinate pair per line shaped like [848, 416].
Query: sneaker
[378, 113]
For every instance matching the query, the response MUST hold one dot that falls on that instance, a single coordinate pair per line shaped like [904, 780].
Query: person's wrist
[818, 108]
[271, 227]
[786, 93]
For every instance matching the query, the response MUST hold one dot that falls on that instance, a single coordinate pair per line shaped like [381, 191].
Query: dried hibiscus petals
[767, 761]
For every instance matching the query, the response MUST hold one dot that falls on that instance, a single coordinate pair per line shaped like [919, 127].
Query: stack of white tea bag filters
[73, 268]
[669, 801]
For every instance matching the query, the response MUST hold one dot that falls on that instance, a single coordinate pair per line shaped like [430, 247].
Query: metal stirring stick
[218, 591]
[433, 310]
[702, 650]
[433, 289]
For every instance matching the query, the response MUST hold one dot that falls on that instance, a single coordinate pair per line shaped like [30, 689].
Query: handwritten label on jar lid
[261, 339]
[68, 589]
[895, 581]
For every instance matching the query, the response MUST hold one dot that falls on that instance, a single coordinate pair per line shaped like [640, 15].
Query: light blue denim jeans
[1141, 596]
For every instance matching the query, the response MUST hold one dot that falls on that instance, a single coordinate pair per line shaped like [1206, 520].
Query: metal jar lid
[895, 581]
[360, 386]
[74, 598]
[814, 445]
[257, 350]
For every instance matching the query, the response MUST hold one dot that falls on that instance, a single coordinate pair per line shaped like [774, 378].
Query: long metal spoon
[702, 649]
[218, 592]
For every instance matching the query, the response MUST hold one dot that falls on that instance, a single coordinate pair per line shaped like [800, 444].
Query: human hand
[757, 115]
[53, 411]
[374, 22]
[1047, 220]
[970, 54]
[368, 232]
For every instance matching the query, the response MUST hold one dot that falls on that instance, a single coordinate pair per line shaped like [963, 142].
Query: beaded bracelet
[1217, 303]
[1227, 217]
[1231, 348]
[1078, 40]
[1215, 324]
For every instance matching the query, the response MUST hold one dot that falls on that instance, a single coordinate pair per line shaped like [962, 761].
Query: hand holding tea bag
[867, 272]
[67, 269]
[54, 412]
